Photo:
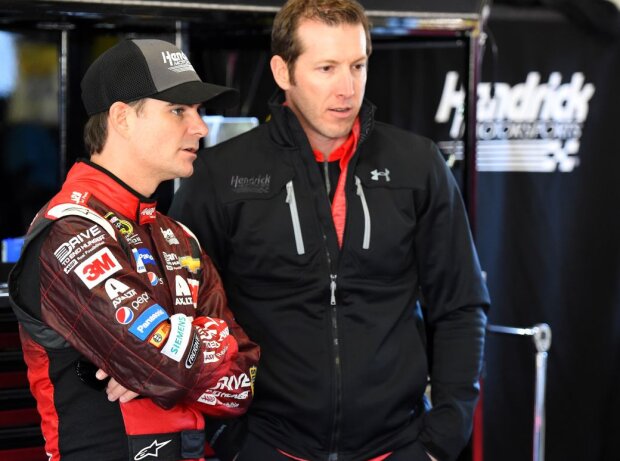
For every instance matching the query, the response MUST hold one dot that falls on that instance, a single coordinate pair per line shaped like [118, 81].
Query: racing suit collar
[86, 179]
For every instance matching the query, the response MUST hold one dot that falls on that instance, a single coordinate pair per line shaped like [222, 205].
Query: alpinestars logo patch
[151, 450]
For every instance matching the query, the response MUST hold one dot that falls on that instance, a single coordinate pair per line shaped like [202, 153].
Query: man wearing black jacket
[345, 251]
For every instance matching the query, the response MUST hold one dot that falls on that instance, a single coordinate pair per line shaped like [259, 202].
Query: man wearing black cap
[111, 294]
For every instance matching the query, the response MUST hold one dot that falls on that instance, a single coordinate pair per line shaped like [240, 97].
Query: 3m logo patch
[98, 267]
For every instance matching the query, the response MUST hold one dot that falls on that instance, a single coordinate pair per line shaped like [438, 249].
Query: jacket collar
[287, 131]
[86, 180]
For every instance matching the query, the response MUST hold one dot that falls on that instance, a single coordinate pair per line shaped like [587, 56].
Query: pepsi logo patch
[153, 278]
[124, 315]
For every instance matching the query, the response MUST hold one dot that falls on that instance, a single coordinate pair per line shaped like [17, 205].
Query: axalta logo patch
[530, 127]
[98, 267]
[118, 292]
[183, 293]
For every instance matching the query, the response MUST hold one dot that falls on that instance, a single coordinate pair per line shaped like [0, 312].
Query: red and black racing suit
[106, 280]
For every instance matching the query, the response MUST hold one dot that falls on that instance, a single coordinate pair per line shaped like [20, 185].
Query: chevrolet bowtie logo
[151, 450]
[192, 264]
[376, 173]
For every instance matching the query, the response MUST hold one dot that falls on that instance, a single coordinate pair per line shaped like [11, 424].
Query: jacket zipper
[333, 312]
[333, 447]
[290, 199]
[360, 193]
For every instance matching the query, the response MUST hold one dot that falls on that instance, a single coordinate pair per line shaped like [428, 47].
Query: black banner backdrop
[547, 231]
[548, 235]
[548, 221]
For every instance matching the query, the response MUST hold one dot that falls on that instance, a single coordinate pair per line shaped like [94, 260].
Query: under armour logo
[151, 450]
[376, 173]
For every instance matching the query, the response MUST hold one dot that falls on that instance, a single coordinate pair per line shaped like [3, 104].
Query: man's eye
[178, 111]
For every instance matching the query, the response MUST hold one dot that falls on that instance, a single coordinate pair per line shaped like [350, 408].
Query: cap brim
[212, 96]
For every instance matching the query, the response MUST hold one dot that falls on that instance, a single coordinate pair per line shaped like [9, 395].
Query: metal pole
[542, 341]
[541, 335]
[181, 42]
[63, 96]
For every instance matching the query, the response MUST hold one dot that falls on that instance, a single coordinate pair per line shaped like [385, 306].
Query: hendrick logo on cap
[178, 62]
[148, 68]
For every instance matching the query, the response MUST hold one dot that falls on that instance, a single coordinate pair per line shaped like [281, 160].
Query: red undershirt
[343, 154]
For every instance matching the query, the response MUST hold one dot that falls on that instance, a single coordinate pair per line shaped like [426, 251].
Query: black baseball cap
[148, 68]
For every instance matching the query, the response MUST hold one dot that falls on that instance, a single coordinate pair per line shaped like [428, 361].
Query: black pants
[255, 449]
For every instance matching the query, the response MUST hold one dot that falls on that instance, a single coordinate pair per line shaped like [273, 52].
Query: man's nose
[198, 126]
[346, 84]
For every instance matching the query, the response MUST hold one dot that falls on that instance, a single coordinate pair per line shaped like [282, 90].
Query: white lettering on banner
[531, 126]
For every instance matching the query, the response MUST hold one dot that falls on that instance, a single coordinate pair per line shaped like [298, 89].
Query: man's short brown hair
[96, 129]
[284, 39]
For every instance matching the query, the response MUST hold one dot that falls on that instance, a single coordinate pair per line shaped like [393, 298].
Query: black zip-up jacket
[345, 360]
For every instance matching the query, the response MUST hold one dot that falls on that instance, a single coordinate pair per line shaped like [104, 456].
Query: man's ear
[279, 69]
[118, 118]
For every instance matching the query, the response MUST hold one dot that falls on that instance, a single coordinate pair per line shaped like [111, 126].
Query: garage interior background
[545, 209]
